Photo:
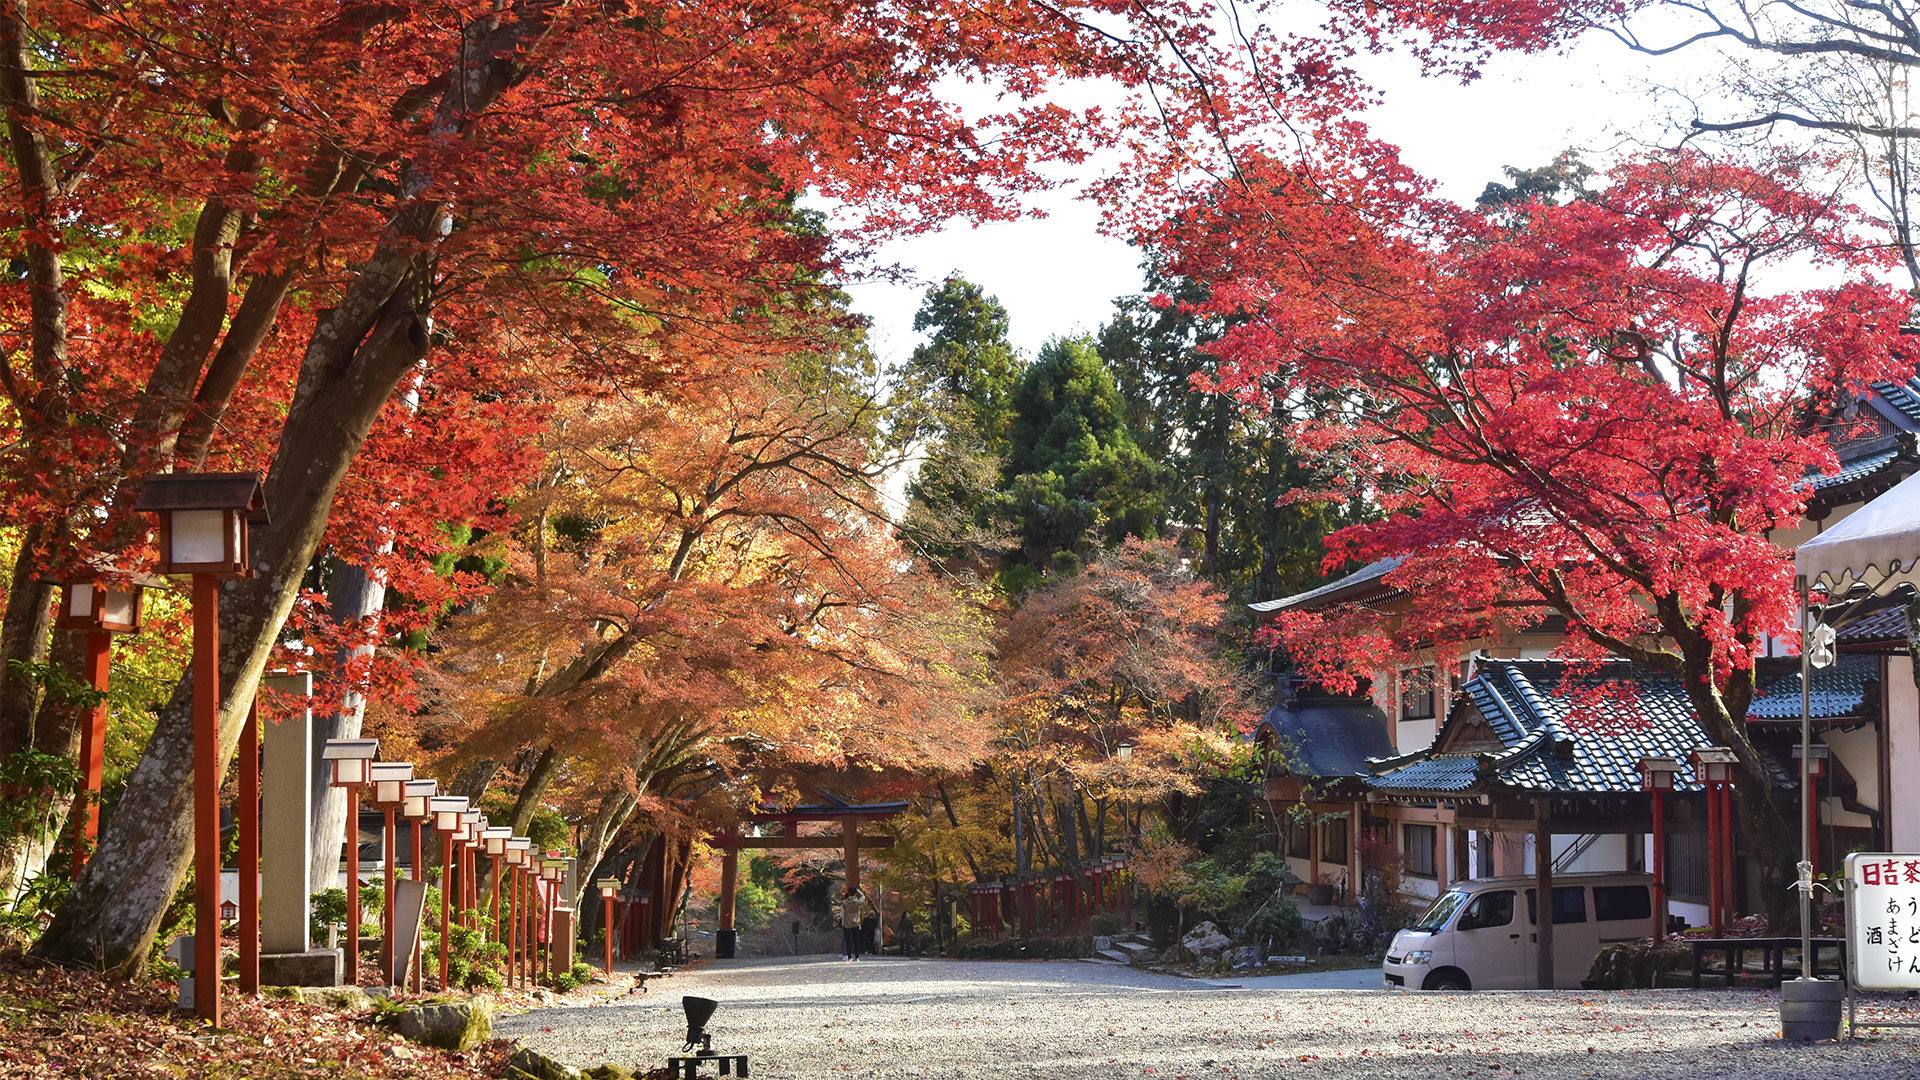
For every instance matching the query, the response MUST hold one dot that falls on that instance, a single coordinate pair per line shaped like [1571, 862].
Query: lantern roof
[350, 749]
[204, 491]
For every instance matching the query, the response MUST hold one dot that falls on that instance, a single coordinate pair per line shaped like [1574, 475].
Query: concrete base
[563, 931]
[1810, 1009]
[315, 967]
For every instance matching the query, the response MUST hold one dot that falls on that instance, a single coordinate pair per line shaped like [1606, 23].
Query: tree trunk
[616, 809]
[352, 594]
[545, 768]
[55, 732]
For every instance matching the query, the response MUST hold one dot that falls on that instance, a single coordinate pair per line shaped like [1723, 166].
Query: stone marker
[409, 901]
[287, 954]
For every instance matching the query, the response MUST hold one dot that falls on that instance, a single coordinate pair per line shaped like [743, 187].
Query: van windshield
[1436, 917]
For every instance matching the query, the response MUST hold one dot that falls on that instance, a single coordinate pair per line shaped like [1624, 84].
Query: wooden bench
[1773, 963]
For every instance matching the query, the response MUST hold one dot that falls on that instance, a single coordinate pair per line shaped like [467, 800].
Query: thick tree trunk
[352, 594]
[143, 855]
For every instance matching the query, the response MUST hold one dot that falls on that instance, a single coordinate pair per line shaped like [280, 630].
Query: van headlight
[1418, 956]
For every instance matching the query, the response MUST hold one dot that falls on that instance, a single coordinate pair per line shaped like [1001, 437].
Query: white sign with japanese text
[1883, 920]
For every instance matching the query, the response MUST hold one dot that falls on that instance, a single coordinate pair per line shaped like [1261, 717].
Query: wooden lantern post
[102, 610]
[418, 810]
[390, 795]
[447, 810]
[1657, 777]
[351, 760]
[204, 520]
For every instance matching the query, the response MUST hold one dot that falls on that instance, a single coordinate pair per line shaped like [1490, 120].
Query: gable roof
[1327, 737]
[1541, 744]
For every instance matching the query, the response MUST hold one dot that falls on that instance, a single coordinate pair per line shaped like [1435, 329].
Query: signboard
[1883, 920]
[409, 901]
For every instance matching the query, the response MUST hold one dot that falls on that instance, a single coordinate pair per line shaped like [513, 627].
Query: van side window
[1488, 909]
[1569, 905]
[1614, 902]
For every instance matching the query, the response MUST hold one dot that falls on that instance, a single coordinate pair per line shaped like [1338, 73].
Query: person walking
[852, 906]
[870, 933]
[903, 934]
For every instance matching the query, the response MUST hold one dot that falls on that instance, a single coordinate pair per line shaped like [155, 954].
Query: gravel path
[938, 1019]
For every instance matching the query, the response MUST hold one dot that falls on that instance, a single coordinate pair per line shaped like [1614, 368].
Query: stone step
[1130, 946]
[1117, 955]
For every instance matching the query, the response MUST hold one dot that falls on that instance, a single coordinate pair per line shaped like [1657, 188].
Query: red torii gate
[850, 815]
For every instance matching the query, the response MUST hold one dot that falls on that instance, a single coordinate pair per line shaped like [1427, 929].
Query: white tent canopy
[1878, 544]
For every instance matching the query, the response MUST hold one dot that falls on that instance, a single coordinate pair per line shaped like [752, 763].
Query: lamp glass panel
[79, 601]
[447, 821]
[116, 606]
[199, 536]
[416, 806]
[349, 771]
[389, 791]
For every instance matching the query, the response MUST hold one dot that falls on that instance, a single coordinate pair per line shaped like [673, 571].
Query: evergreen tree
[1225, 466]
[1075, 479]
[952, 399]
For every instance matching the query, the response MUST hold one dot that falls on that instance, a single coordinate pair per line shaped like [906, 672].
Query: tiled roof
[1552, 746]
[1858, 469]
[1440, 773]
[1328, 737]
[1367, 574]
[1903, 398]
[1838, 690]
[1887, 624]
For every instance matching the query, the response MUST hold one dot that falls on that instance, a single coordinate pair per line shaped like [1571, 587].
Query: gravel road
[937, 1019]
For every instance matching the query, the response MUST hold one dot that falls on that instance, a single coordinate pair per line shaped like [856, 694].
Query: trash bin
[723, 942]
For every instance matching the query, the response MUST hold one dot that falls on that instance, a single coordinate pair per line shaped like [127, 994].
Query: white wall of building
[1903, 756]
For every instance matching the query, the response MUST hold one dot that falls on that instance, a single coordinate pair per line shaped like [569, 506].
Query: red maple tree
[1595, 411]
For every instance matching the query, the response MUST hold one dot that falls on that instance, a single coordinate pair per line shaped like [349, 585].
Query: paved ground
[966, 1020]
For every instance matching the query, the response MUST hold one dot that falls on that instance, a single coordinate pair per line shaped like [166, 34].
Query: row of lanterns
[465, 835]
[205, 524]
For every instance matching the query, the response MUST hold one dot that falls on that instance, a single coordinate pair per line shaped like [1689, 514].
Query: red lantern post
[203, 532]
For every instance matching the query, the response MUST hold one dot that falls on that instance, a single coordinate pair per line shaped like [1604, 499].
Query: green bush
[1107, 923]
[1277, 925]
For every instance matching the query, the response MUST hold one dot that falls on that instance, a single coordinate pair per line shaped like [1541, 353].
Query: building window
[1416, 694]
[1418, 843]
[1333, 840]
[1299, 840]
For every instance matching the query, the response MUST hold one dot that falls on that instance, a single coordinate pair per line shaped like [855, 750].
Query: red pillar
[446, 889]
[207, 767]
[93, 740]
[247, 815]
[391, 838]
[1660, 864]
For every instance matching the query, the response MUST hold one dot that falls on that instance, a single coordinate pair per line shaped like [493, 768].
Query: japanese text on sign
[1883, 920]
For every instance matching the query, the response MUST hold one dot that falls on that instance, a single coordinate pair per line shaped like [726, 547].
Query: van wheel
[1447, 979]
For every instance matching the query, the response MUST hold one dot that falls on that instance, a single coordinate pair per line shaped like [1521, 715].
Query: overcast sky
[1057, 275]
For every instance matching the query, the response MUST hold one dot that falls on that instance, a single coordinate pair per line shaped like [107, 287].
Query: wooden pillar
[1442, 855]
[208, 766]
[1543, 891]
[850, 837]
[729, 882]
[1354, 866]
[93, 743]
[1314, 825]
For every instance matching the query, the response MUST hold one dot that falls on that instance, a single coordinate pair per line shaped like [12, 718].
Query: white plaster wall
[1608, 854]
[1903, 755]
[1411, 735]
[1859, 752]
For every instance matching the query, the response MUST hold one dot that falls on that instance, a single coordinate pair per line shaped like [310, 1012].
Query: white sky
[1057, 275]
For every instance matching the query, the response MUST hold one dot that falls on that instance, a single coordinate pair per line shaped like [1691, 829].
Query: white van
[1480, 935]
